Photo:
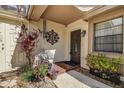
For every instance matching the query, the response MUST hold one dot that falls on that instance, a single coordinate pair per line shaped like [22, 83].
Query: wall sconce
[83, 33]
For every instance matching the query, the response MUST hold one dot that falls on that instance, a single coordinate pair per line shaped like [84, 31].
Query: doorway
[75, 46]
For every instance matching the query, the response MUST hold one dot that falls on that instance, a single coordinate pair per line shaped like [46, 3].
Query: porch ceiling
[65, 14]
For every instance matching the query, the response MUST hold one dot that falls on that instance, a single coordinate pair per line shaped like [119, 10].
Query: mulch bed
[47, 84]
[12, 80]
[86, 72]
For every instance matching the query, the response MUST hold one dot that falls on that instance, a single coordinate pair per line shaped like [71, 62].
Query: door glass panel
[76, 47]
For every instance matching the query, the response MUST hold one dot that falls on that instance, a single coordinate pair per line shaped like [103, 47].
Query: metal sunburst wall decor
[52, 37]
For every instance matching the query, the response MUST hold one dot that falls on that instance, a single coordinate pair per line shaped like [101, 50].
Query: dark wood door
[75, 46]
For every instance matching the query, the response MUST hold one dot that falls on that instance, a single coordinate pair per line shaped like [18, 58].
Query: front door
[75, 46]
[8, 39]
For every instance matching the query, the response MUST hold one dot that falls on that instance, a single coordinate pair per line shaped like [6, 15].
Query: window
[108, 36]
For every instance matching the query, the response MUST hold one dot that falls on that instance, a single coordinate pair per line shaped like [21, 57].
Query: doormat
[70, 63]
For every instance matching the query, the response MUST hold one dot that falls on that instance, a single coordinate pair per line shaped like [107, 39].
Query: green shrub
[28, 73]
[116, 65]
[43, 69]
[103, 63]
[28, 76]
[91, 59]
[26, 68]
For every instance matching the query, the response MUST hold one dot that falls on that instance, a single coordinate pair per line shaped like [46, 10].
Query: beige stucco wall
[79, 24]
[63, 46]
[103, 17]
[19, 59]
[59, 46]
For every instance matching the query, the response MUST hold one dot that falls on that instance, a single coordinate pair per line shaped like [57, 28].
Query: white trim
[14, 18]
[98, 10]
[31, 7]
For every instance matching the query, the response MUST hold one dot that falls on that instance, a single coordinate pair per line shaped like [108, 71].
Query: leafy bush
[28, 73]
[26, 68]
[103, 63]
[43, 69]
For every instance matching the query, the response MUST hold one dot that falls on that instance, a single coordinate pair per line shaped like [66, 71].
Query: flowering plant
[28, 41]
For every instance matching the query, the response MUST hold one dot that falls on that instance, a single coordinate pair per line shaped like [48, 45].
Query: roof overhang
[98, 10]
[65, 14]
[36, 11]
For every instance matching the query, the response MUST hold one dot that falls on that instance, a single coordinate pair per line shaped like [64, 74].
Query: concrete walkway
[74, 79]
